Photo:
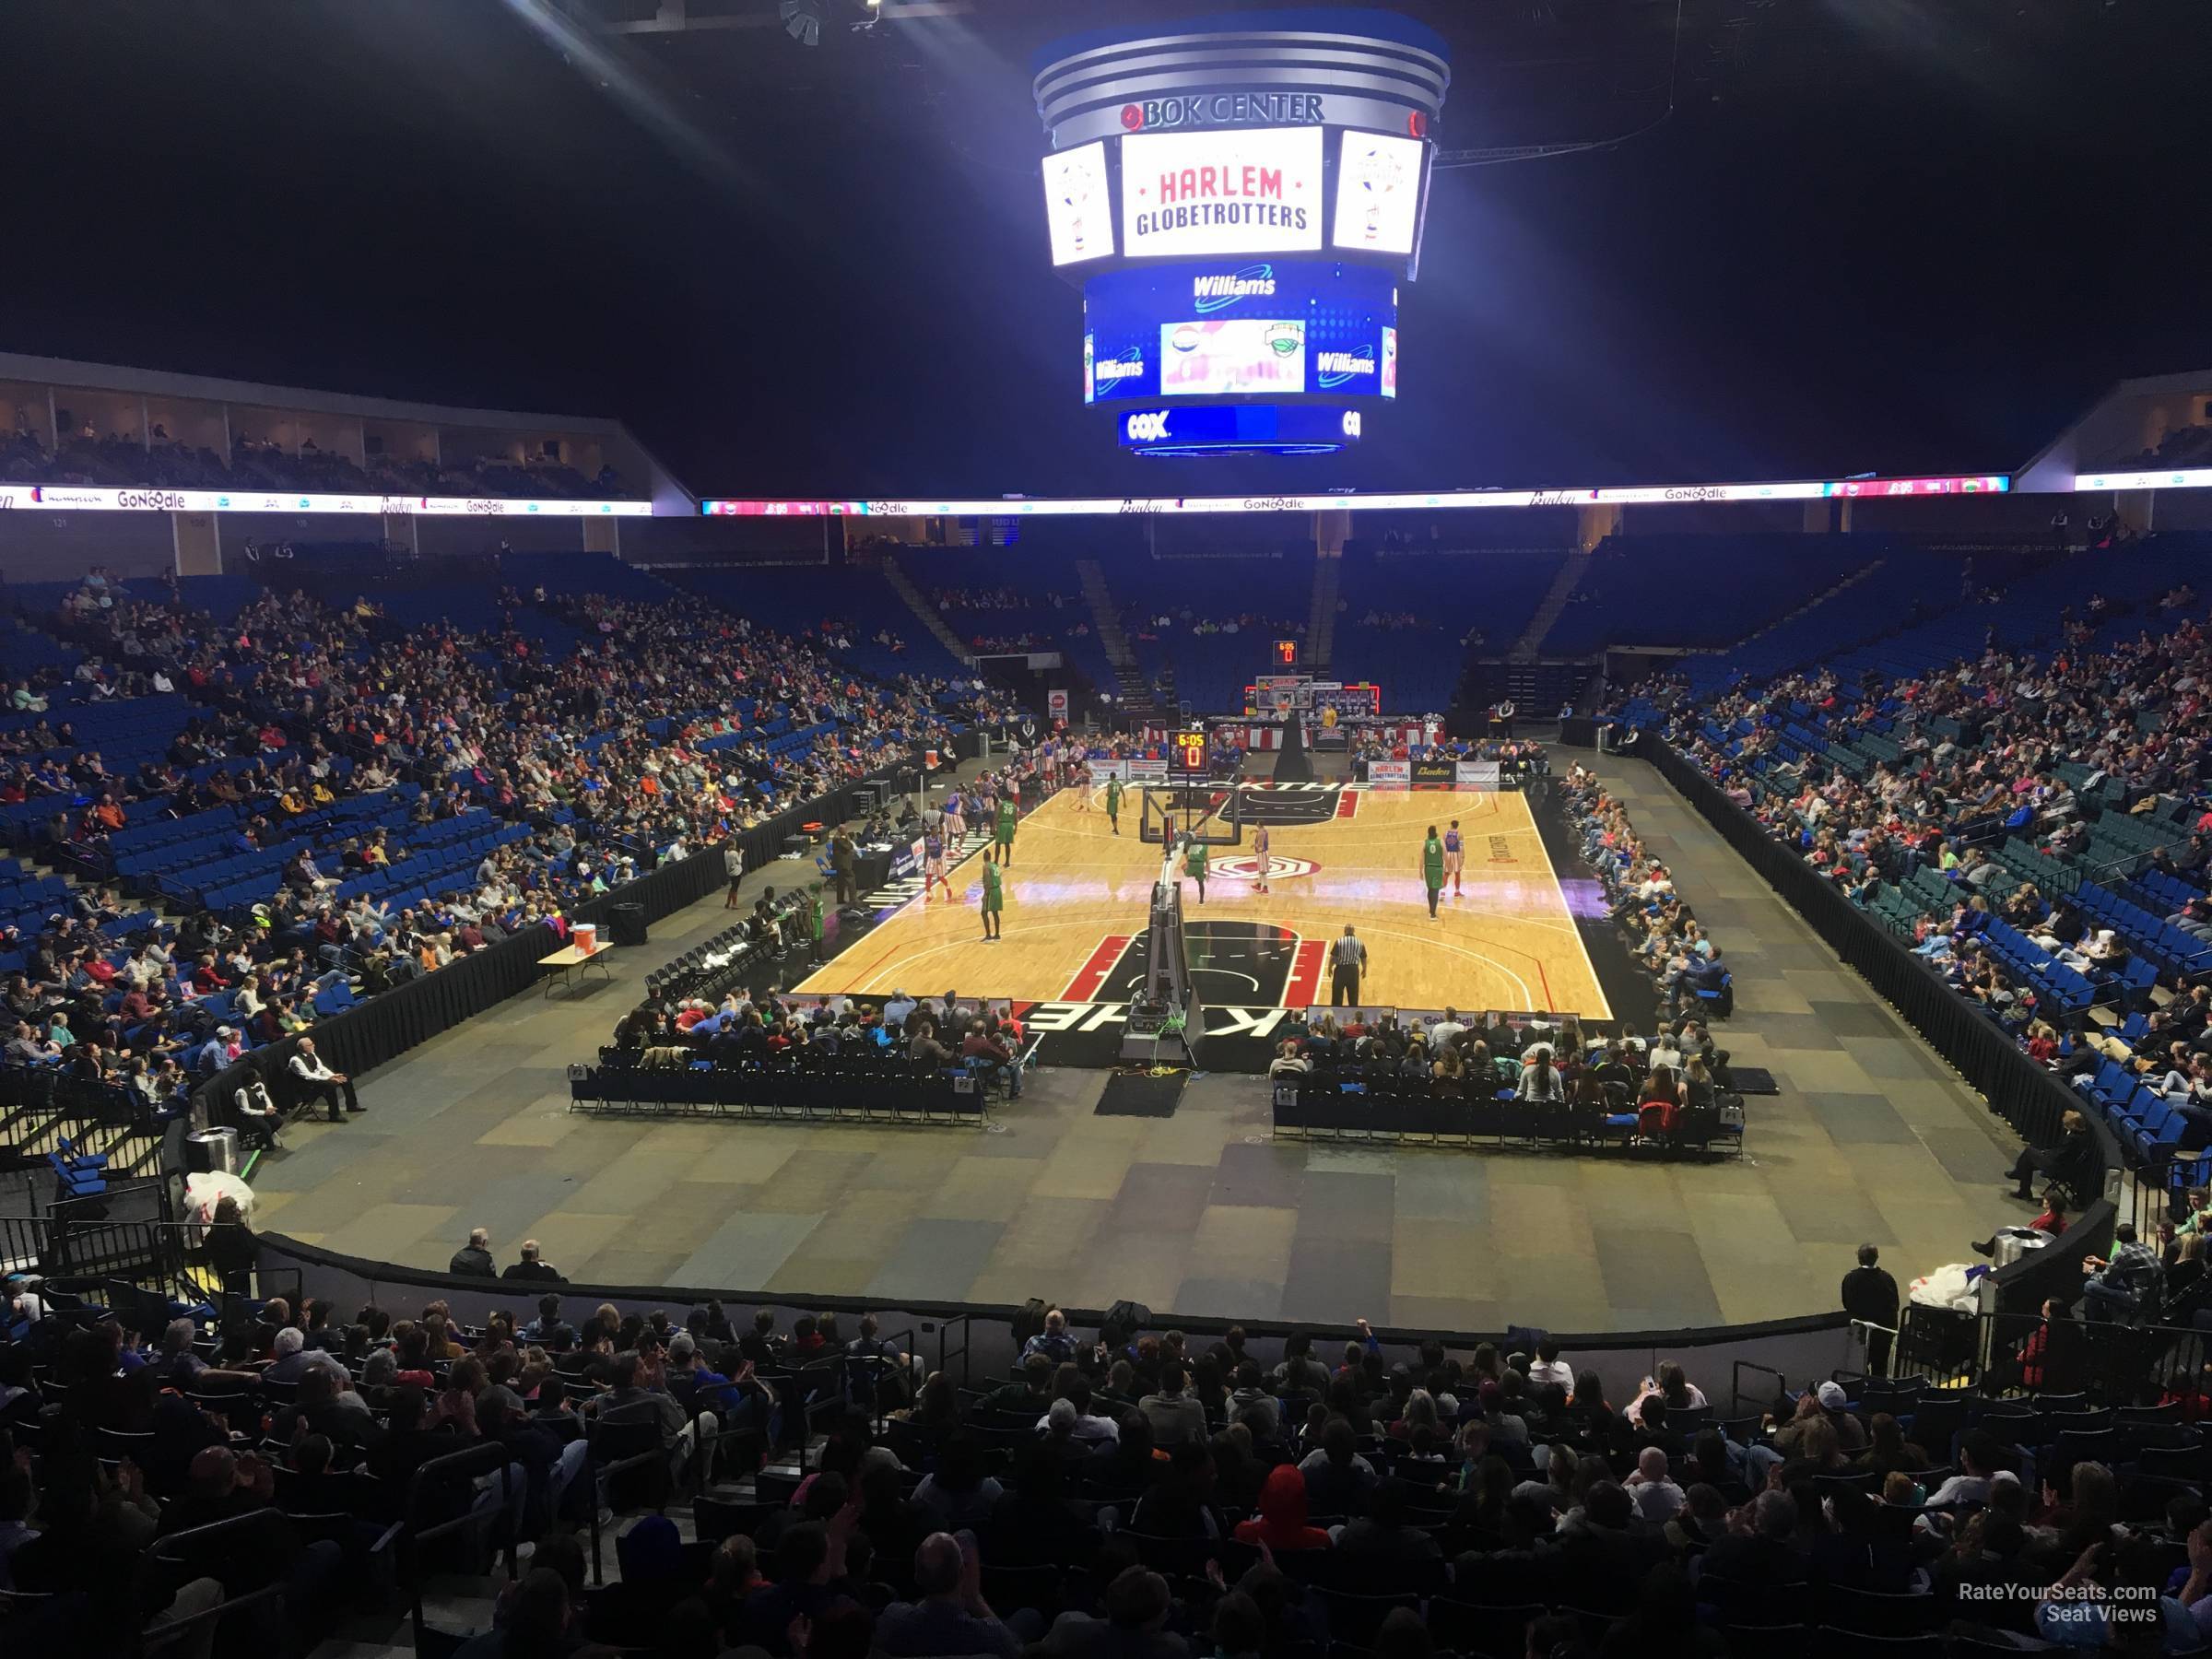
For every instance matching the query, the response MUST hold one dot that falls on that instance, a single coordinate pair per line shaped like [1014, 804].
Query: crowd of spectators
[642, 744]
[999, 598]
[86, 457]
[1141, 1494]
[1656, 1080]
[1665, 939]
[1148, 625]
[1984, 775]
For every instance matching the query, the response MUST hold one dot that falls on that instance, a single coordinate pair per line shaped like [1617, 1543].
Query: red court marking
[1100, 963]
[1304, 987]
[1348, 804]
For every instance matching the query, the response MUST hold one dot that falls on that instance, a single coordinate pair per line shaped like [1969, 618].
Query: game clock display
[1186, 753]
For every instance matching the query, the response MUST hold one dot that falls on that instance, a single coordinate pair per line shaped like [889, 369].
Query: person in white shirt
[1447, 1029]
[1549, 1367]
[314, 1080]
[1656, 1496]
[259, 1116]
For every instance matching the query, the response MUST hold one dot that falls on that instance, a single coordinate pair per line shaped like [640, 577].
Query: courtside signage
[1356, 502]
[69, 498]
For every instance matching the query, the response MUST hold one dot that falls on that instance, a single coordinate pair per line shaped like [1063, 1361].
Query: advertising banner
[1147, 771]
[70, 498]
[906, 860]
[1055, 705]
[1479, 774]
[1390, 774]
[1432, 774]
[1237, 191]
[1144, 326]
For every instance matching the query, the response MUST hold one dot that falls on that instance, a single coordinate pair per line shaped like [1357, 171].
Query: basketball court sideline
[1076, 894]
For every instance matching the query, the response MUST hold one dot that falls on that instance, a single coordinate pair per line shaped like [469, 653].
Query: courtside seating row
[855, 1093]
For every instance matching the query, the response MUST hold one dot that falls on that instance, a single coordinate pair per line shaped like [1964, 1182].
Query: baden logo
[1247, 868]
[1211, 293]
[1150, 427]
[1335, 368]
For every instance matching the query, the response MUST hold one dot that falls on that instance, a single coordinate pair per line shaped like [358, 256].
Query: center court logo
[1247, 868]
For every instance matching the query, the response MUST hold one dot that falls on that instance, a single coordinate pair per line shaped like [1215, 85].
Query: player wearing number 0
[1008, 816]
[932, 865]
[1113, 803]
[1453, 856]
[1432, 867]
[1259, 853]
[995, 900]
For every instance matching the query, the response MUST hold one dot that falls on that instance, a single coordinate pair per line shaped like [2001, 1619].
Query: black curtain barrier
[386, 1027]
[2019, 1091]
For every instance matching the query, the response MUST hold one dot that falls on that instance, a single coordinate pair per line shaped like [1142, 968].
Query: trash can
[212, 1151]
[626, 924]
[2013, 1242]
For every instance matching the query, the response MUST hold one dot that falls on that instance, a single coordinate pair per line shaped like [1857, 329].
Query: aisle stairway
[924, 612]
[1562, 588]
[1320, 621]
[1129, 683]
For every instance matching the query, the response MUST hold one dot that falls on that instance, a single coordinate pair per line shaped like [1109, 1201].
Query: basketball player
[956, 819]
[1453, 856]
[1432, 867]
[1009, 814]
[1195, 864]
[993, 897]
[1259, 853]
[933, 865]
[1113, 802]
[1078, 779]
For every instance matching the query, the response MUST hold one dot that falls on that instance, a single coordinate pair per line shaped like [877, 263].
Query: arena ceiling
[1787, 238]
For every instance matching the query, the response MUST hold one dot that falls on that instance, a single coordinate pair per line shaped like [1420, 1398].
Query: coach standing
[844, 861]
[1347, 961]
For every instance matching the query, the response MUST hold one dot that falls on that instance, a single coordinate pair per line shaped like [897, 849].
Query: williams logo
[1335, 368]
[1109, 370]
[1247, 868]
[1212, 293]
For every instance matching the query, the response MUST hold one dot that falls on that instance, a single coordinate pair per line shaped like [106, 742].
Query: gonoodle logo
[1335, 368]
[1150, 427]
[1211, 293]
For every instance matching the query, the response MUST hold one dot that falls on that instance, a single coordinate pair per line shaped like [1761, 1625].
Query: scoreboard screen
[1186, 753]
[1239, 197]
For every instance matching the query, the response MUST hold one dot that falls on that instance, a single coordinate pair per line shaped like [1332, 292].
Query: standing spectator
[1870, 1295]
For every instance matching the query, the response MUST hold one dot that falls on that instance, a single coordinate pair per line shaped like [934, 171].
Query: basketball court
[1077, 896]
